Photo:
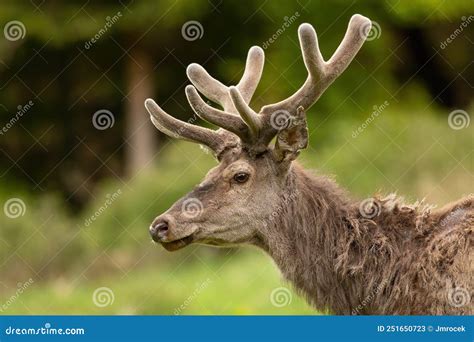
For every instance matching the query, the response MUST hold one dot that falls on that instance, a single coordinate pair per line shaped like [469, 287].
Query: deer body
[401, 261]
[346, 257]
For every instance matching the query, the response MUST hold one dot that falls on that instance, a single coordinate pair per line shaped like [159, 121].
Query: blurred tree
[139, 134]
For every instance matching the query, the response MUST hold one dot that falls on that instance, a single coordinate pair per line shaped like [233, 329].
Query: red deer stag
[377, 256]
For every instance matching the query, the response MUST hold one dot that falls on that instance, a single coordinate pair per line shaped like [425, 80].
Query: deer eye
[241, 177]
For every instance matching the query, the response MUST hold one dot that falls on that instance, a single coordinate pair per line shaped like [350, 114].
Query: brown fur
[405, 260]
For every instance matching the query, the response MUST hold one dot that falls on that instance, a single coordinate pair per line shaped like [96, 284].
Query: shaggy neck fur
[346, 263]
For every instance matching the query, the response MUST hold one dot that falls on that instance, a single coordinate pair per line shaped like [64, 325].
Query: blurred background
[83, 172]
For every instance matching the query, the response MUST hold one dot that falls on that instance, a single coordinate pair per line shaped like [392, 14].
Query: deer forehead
[240, 165]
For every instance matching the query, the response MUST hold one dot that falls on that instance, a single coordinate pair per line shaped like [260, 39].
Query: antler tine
[252, 73]
[320, 73]
[251, 118]
[356, 34]
[178, 129]
[209, 86]
[228, 121]
[217, 92]
[232, 99]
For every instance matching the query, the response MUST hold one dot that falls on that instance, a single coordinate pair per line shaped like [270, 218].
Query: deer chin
[172, 246]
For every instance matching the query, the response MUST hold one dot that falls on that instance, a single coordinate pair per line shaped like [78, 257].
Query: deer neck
[304, 236]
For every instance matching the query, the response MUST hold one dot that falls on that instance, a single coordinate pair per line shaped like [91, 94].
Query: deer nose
[159, 229]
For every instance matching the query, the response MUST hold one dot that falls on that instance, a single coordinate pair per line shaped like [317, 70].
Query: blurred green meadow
[78, 197]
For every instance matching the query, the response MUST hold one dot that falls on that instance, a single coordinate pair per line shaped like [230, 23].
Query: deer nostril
[159, 229]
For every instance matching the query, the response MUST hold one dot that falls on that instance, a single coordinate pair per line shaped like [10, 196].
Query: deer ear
[292, 138]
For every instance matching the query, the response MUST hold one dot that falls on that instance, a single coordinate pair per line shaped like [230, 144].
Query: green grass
[202, 282]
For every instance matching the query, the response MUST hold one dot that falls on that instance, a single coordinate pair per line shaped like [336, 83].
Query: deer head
[236, 198]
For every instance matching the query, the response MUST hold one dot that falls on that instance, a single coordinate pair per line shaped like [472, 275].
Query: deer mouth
[172, 246]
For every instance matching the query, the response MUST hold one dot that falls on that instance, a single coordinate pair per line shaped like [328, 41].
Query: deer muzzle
[163, 230]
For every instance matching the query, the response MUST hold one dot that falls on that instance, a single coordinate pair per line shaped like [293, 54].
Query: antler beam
[178, 129]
